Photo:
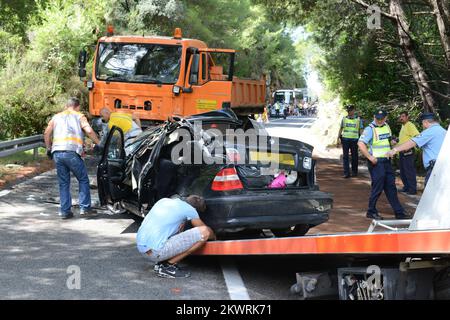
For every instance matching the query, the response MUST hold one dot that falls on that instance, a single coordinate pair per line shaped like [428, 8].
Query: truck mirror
[82, 63]
[193, 79]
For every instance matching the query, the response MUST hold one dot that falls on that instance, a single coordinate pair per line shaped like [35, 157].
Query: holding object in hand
[49, 154]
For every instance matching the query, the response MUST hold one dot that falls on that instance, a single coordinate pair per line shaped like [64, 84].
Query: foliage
[369, 66]
[27, 93]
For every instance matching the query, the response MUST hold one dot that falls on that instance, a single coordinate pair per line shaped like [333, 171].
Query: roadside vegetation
[402, 65]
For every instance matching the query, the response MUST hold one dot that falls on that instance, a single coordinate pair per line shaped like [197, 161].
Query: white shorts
[176, 245]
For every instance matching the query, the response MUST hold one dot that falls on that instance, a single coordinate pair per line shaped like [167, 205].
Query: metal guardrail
[10, 147]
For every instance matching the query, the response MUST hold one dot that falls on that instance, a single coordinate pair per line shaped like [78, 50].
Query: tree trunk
[443, 26]
[407, 45]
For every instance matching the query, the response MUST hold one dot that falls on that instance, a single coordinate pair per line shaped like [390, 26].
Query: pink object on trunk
[278, 182]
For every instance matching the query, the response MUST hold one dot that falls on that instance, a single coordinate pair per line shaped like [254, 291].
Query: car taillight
[227, 179]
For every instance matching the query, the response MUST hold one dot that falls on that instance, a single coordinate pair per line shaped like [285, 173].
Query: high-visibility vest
[122, 120]
[125, 122]
[381, 140]
[67, 132]
[351, 128]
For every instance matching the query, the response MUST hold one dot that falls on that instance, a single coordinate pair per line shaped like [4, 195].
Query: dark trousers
[383, 178]
[350, 145]
[429, 171]
[408, 172]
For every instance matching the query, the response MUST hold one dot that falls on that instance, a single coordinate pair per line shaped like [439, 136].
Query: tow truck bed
[399, 242]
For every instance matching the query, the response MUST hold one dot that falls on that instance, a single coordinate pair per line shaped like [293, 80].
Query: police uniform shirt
[430, 140]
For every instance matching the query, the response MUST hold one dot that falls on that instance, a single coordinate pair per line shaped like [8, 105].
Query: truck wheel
[298, 230]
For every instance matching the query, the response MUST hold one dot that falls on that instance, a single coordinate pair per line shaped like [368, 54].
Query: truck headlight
[307, 161]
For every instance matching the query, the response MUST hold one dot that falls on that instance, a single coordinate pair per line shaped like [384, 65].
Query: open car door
[111, 169]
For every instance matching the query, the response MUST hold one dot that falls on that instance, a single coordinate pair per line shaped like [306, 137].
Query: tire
[116, 208]
[296, 231]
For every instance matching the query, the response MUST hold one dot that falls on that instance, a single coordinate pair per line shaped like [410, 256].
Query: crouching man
[161, 237]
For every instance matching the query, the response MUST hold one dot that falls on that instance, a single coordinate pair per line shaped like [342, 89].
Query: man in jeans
[64, 138]
[161, 237]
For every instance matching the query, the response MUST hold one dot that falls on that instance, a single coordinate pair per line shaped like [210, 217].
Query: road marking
[235, 285]
[4, 192]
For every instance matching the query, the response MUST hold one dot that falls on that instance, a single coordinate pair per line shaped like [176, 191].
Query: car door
[111, 169]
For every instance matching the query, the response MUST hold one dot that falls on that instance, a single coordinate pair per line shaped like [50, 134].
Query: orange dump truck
[157, 77]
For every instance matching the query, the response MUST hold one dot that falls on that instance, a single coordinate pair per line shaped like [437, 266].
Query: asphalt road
[44, 257]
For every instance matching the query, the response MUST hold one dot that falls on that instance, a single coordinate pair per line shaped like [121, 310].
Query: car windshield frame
[140, 48]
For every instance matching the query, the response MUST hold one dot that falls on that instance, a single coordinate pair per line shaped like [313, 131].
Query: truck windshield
[133, 62]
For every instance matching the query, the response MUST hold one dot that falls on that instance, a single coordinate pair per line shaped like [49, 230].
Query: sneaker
[157, 266]
[88, 212]
[374, 216]
[168, 270]
[346, 176]
[65, 216]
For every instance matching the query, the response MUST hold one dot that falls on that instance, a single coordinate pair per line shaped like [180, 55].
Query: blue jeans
[350, 145]
[383, 179]
[67, 162]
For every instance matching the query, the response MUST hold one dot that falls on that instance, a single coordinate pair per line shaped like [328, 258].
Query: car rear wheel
[297, 230]
[116, 208]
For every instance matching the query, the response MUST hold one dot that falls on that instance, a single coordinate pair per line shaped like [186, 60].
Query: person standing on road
[64, 139]
[161, 237]
[349, 133]
[407, 157]
[430, 140]
[277, 109]
[374, 143]
[129, 124]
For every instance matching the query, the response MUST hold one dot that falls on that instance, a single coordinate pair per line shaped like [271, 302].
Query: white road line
[4, 192]
[235, 285]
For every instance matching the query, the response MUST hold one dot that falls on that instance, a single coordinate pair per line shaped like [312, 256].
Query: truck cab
[158, 77]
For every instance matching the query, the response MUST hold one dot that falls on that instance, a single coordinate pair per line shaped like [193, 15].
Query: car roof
[223, 115]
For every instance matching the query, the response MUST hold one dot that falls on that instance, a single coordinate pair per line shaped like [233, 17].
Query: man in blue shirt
[430, 140]
[161, 237]
[374, 143]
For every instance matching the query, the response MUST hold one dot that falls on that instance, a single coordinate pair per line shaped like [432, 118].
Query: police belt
[407, 152]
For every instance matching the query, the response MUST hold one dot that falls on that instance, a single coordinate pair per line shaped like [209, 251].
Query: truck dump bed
[248, 96]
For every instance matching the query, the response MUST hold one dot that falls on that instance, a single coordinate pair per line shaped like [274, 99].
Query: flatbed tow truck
[393, 260]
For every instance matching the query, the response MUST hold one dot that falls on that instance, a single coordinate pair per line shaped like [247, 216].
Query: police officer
[374, 143]
[64, 141]
[430, 140]
[349, 134]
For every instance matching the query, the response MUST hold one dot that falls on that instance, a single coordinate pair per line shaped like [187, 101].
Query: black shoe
[354, 174]
[374, 216]
[403, 190]
[88, 212]
[411, 193]
[403, 217]
[346, 176]
[67, 216]
[168, 270]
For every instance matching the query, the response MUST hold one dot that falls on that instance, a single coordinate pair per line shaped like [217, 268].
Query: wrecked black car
[250, 181]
